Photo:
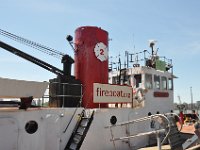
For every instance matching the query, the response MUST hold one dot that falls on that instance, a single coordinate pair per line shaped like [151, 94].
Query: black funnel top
[67, 63]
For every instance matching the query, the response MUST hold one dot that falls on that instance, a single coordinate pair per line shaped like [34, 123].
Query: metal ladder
[79, 132]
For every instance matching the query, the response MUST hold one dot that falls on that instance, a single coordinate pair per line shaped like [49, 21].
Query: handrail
[179, 119]
[71, 119]
[66, 83]
[138, 120]
[140, 134]
[157, 131]
[63, 95]
[81, 116]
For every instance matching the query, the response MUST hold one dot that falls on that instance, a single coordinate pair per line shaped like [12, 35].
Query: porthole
[31, 127]
[113, 120]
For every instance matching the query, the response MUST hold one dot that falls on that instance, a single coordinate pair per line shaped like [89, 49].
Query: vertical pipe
[158, 141]
[127, 58]
[63, 104]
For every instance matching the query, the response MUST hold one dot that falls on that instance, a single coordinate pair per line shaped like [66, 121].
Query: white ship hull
[50, 135]
[55, 127]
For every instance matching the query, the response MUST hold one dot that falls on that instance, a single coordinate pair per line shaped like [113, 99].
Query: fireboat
[100, 107]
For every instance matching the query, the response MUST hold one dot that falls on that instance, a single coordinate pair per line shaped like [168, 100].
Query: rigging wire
[32, 44]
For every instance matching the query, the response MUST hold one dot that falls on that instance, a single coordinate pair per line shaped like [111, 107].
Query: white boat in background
[132, 111]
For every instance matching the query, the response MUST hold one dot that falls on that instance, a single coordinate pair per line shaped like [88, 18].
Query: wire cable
[40, 47]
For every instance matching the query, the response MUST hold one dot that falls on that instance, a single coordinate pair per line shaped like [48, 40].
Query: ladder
[80, 131]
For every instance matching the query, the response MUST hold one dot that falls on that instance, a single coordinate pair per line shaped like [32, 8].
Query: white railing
[161, 119]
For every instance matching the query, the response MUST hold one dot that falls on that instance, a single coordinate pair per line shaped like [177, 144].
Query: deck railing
[161, 119]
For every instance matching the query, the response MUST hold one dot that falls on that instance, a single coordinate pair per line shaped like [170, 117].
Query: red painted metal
[161, 94]
[89, 69]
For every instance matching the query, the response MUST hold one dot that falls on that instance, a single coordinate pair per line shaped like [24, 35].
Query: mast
[191, 98]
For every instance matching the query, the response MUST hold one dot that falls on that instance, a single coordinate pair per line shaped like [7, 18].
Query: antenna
[191, 94]
[134, 42]
[179, 99]
[151, 44]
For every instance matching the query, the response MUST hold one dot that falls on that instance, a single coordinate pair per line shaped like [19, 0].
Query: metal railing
[159, 118]
[63, 95]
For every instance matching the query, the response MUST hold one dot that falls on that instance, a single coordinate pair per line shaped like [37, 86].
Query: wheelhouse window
[170, 84]
[156, 82]
[125, 79]
[138, 80]
[115, 80]
[164, 83]
[148, 81]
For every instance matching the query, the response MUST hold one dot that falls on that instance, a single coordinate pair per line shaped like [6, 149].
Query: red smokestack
[91, 61]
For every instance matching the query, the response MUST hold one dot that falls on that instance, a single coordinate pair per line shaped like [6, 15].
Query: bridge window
[138, 80]
[126, 80]
[170, 84]
[156, 82]
[115, 80]
[148, 81]
[164, 83]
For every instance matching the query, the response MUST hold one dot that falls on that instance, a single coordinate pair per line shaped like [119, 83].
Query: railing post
[63, 104]
[158, 140]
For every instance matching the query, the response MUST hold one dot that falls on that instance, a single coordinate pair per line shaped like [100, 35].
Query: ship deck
[164, 147]
[167, 147]
[15, 109]
[187, 132]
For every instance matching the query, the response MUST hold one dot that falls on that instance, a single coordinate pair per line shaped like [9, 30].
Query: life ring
[134, 91]
[139, 95]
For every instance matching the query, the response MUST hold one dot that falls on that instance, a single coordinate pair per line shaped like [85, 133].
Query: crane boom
[32, 59]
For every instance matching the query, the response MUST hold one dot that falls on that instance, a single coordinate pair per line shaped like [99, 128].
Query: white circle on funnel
[101, 51]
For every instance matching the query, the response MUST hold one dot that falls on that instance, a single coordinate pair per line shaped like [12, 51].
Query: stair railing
[78, 124]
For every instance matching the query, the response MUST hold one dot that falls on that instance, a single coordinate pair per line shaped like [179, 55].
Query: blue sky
[130, 23]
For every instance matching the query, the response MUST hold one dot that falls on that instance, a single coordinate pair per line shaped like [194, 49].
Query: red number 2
[101, 52]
